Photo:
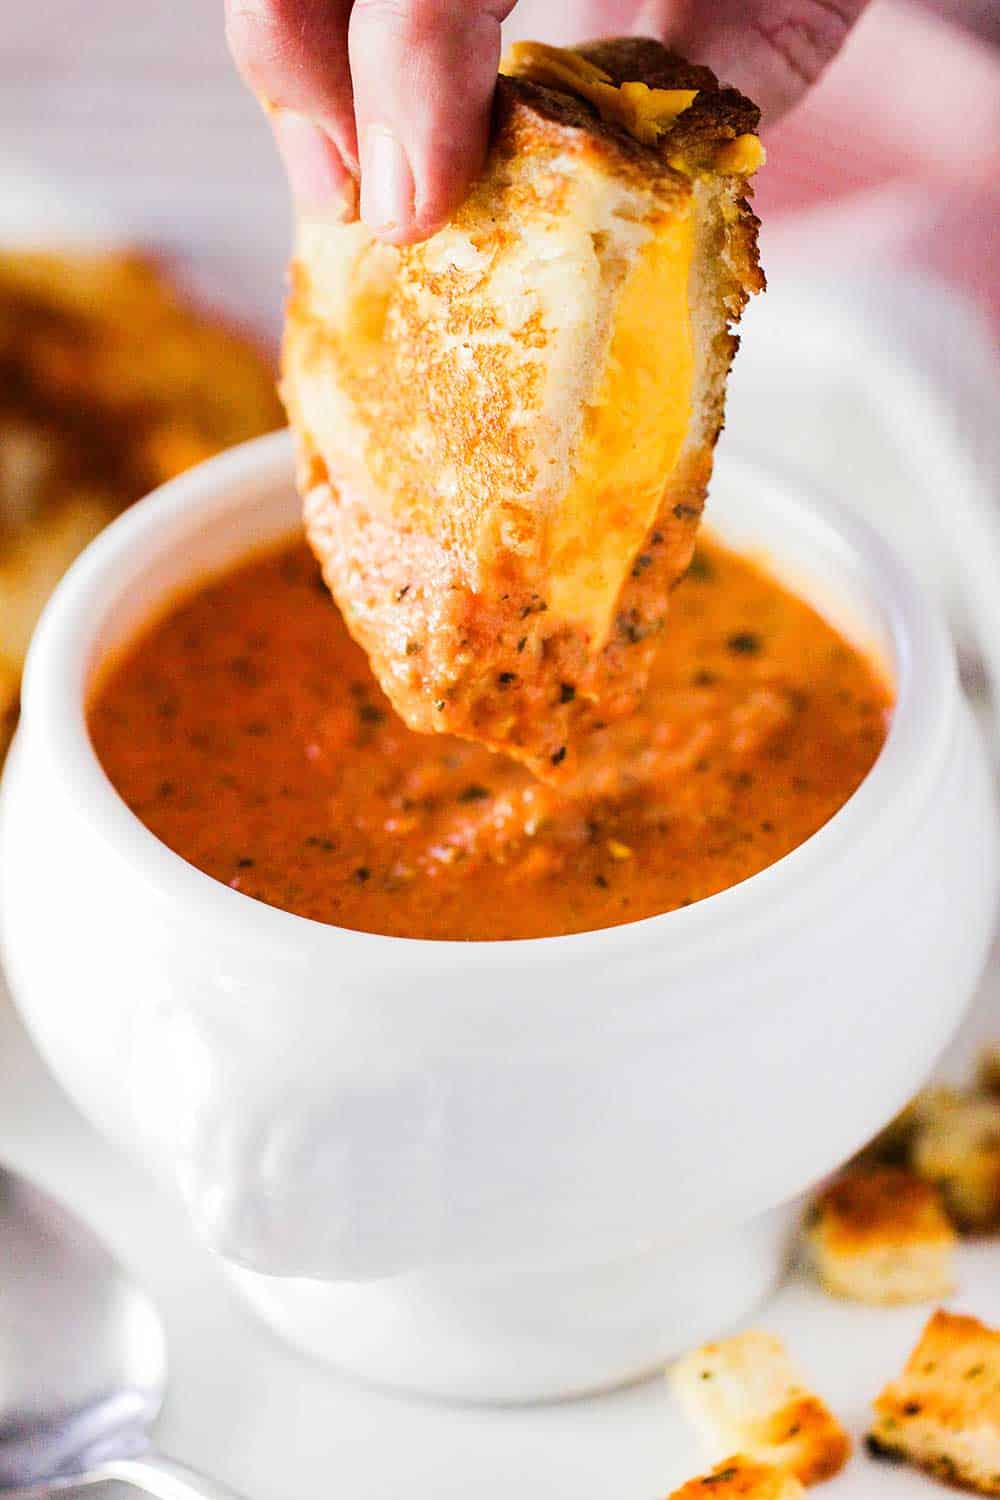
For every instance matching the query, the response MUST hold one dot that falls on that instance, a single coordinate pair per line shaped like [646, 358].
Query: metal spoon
[83, 1361]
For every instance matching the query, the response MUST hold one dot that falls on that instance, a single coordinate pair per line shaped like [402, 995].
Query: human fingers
[424, 73]
[293, 56]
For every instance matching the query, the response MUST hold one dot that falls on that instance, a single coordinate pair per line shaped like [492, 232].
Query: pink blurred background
[896, 155]
[117, 118]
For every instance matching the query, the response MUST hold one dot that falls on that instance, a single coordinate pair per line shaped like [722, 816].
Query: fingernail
[386, 181]
[320, 182]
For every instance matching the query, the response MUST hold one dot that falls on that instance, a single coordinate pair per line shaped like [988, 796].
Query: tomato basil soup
[247, 732]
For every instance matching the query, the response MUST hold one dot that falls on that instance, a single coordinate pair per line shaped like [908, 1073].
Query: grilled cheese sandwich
[505, 434]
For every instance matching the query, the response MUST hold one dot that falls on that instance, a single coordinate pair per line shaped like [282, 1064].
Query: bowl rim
[60, 667]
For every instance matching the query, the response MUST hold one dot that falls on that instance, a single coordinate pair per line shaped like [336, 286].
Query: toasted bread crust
[739, 1476]
[865, 1204]
[717, 114]
[880, 1234]
[943, 1412]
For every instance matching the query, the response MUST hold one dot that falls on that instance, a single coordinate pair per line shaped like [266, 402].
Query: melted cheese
[741, 157]
[644, 112]
[632, 435]
[636, 425]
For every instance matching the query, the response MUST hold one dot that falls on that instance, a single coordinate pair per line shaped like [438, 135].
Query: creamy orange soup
[246, 730]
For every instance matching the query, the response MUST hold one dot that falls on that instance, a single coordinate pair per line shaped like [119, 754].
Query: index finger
[293, 56]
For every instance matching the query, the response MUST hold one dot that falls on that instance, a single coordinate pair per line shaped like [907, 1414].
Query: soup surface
[246, 730]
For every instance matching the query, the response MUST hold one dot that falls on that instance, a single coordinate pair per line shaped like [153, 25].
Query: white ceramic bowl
[495, 1170]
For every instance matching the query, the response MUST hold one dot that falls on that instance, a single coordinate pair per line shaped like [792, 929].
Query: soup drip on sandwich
[505, 433]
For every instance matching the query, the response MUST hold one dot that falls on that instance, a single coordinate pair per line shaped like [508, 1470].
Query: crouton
[989, 1068]
[893, 1142]
[957, 1147]
[943, 1413]
[880, 1234]
[741, 1476]
[745, 1395]
[8, 703]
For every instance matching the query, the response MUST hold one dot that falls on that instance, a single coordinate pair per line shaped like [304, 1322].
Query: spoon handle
[163, 1477]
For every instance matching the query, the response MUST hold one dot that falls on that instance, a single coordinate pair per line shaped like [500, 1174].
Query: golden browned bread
[109, 384]
[9, 684]
[892, 1145]
[741, 1476]
[943, 1412]
[880, 1234]
[989, 1068]
[744, 1394]
[957, 1147]
[505, 434]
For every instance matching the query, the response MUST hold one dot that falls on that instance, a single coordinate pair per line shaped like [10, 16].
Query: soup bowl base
[528, 1335]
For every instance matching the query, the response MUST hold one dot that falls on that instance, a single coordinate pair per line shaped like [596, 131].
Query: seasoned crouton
[989, 1068]
[8, 702]
[745, 1395]
[893, 1142]
[741, 1476]
[880, 1234]
[943, 1413]
[957, 1147]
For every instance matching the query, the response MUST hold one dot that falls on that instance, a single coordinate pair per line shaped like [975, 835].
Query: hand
[397, 92]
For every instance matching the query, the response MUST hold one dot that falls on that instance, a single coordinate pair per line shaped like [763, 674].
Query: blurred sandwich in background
[110, 383]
